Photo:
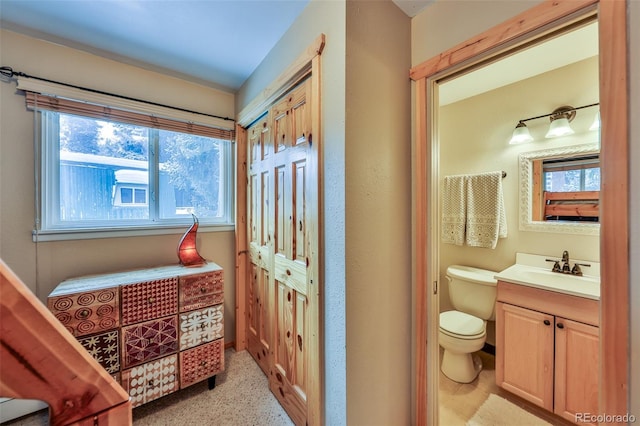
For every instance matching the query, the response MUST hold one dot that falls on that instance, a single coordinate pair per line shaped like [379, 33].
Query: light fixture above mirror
[559, 126]
[560, 119]
[521, 134]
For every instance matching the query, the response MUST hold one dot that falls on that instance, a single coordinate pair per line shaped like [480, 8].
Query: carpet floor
[241, 398]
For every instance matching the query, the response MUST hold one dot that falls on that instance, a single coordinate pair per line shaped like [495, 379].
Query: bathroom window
[571, 175]
[572, 189]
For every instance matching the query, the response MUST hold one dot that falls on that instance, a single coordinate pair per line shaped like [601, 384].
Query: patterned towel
[486, 217]
[454, 210]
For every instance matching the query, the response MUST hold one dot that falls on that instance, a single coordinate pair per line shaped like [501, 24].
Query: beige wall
[445, 23]
[366, 202]
[378, 214]
[42, 266]
[473, 139]
[322, 17]
[433, 32]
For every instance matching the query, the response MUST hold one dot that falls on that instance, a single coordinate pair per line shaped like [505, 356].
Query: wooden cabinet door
[576, 369]
[524, 353]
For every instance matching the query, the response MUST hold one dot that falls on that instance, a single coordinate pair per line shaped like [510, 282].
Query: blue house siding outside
[98, 187]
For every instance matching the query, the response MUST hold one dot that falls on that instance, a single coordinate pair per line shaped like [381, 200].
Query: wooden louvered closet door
[280, 158]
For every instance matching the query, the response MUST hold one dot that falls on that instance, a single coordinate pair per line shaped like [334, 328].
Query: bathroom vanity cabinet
[547, 347]
[154, 330]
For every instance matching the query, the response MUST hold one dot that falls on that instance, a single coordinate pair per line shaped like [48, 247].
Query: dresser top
[100, 281]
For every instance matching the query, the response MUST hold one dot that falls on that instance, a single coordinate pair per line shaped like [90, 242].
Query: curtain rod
[10, 73]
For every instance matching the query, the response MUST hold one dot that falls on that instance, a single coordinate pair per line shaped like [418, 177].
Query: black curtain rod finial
[6, 72]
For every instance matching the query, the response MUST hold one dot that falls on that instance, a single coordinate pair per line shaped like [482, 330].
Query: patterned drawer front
[149, 340]
[201, 290]
[201, 362]
[105, 348]
[87, 313]
[201, 326]
[151, 380]
[148, 300]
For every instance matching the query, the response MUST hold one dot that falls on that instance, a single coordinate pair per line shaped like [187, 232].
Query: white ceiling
[412, 7]
[214, 42]
[221, 42]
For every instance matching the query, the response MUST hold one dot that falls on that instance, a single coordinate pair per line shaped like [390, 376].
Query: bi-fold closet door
[282, 217]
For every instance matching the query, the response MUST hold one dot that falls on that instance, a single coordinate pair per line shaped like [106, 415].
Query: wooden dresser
[154, 330]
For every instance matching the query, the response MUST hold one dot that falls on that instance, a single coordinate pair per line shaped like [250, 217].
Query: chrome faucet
[566, 266]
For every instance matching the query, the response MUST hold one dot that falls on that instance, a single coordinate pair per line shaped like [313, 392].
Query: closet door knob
[547, 322]
[560, 325]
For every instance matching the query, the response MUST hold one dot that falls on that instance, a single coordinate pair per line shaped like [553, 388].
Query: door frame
[614, 194]
[307, 64]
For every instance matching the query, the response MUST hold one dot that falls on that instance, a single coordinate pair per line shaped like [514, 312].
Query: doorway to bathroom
[540, 23]
[491, 100]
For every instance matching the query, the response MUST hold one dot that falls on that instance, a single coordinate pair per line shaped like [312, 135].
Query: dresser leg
[212, 382]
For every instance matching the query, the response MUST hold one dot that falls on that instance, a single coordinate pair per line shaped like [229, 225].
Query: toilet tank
[473, 290]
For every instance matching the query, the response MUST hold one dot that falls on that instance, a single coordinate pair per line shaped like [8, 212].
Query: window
[575, 174]
[103, 174]
[571, 189]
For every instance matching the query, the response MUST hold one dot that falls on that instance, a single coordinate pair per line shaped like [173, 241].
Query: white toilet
[472, 292]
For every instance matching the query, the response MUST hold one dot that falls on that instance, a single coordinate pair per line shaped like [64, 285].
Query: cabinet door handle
[547, 322]
[560, 325]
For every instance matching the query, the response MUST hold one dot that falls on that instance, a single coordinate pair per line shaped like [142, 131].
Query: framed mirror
[540, 209]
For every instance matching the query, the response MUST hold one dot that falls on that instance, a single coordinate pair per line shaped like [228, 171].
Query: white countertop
[534, 271]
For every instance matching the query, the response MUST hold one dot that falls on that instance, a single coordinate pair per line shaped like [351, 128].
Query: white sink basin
[584, 286]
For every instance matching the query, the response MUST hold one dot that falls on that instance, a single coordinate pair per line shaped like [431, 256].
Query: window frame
[581, 164]
[48, 225]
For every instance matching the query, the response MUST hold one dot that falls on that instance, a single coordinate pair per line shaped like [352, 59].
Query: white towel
[486, 217]
[453, 210]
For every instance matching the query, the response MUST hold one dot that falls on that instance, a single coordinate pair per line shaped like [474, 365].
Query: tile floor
[459, 402]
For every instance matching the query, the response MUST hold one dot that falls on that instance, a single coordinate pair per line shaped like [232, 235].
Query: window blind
[41, 101]
[560, 165]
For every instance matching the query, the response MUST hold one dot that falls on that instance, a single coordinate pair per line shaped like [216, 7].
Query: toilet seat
[461, 325]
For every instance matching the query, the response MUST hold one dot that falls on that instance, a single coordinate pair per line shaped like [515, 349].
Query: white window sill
[95, 233]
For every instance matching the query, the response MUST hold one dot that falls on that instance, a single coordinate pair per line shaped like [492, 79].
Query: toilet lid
[460, 323]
